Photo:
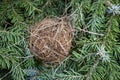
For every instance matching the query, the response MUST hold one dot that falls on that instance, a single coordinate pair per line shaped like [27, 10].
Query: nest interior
[50, 39]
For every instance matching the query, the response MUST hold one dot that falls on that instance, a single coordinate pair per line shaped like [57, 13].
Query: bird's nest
[50, 39]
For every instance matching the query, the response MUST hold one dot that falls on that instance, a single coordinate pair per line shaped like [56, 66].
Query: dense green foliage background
[95, 54]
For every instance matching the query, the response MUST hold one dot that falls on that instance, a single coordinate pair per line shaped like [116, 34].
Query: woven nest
[50, 39]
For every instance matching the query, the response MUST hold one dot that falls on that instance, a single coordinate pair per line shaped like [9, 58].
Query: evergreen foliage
[95, 54]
